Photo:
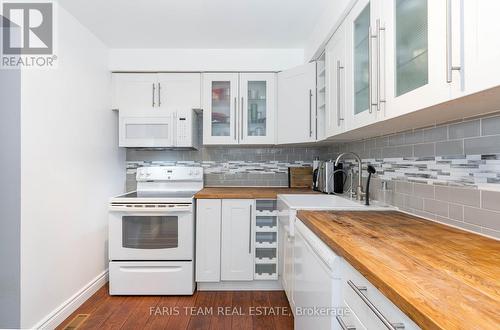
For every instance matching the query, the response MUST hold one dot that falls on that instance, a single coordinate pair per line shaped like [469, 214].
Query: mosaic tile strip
[479, 171]
[231, 167]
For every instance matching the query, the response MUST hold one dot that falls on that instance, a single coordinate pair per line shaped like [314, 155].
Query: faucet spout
[359, 188]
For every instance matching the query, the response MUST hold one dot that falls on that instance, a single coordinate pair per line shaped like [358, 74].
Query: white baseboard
[240, 286]
[57, 316]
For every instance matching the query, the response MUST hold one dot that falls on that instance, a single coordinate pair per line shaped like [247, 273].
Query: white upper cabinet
[239, 108]
[258, 108]
[335, 57]
[179, 91]
[220, 108]
[149, 93]
[360, 75]
[297, 105]
[135, 92]
[415, 46]
[481, 26]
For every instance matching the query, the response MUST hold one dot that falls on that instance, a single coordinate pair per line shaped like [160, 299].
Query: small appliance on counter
[328, 178]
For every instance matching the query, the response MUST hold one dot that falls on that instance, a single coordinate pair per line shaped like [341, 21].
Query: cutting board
[300, 177]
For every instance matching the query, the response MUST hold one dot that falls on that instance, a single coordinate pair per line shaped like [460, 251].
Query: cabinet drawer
[350, 320]
[151, 278]
[369, 304]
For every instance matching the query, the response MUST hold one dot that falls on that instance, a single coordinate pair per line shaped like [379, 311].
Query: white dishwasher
[318, 286]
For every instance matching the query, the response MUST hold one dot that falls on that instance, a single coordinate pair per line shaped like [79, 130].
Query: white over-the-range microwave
[175, 129]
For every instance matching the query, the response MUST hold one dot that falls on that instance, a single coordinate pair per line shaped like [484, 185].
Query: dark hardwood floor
[203, 310]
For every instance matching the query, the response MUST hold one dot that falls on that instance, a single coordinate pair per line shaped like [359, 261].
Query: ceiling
[199, 23]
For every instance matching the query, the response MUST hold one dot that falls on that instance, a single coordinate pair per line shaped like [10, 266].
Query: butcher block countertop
[441, 277]
[248, 192]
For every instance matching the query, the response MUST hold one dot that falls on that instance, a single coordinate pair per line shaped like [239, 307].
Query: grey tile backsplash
[228, 165]
[448, 173]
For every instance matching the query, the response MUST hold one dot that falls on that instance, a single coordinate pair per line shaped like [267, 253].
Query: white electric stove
[151, 233]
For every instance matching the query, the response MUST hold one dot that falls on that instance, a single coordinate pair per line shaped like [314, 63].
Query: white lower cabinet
[369, 308]
[288, 267]
[208, 239]
[237, 244]
[225, 240]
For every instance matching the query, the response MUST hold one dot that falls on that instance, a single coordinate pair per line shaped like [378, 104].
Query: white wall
[325, 27]
[71, 166]
[204, 59]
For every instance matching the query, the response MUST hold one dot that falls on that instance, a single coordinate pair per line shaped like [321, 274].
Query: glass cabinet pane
[361, 61]
[411, 45]
[149, 232]
[257, 108]
[221, 108]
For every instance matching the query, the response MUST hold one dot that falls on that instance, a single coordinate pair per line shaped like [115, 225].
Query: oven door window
[140, 232]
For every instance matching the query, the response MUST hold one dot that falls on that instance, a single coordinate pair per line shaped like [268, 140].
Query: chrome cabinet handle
[380, 29]
[250, 233]
[370, 70]
[159, 94]
[449, 45]
[339, 91]
[380, 316]
[310, 113]
[235, 118]
[153, 95]
[241, 119]
[344, 326]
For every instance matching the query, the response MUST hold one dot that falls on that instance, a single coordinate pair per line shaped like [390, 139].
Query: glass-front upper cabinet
[220, 118]
[361, 68]
[417, 49]
[257, 108]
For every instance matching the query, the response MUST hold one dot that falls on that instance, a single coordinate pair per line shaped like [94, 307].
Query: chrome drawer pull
[381, 317]
[344, 326]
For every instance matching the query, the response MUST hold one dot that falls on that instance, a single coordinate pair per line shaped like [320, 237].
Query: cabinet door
[237, 248]
[482, 43]
[135, 92]
[220, 99]
[414, 50]
[335, 75]
[297, 104]
[288, 268]
[208, 240]
[257, 108]
[360, 78]
[179, 91]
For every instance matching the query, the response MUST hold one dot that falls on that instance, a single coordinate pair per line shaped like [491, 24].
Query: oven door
[155, 234]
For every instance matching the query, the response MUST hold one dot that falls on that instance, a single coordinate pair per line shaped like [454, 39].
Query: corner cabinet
[239, 108]
[297, 105]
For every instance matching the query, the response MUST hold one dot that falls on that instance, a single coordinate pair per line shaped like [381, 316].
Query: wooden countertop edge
[248, 192]
[420, 318]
